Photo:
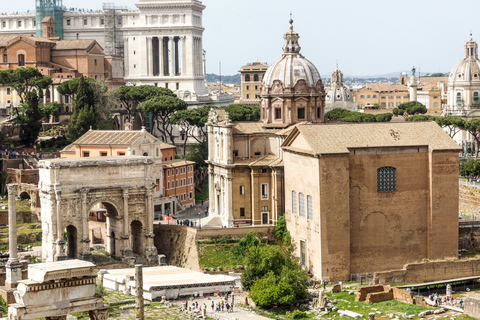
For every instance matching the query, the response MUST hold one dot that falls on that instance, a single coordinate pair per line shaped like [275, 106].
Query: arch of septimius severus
[69, 188]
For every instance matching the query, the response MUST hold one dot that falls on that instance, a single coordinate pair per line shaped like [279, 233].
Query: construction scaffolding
[113, 34]
[52, 8]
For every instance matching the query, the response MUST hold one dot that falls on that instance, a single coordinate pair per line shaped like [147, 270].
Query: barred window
[386, 179]
[301, 201]
[294, 202]
[309, 208]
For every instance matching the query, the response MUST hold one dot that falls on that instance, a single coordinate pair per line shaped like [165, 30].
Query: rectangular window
[19, 23]
[168, 185]
[68, 22]
[85, 21]
[242, 212]
[86, 154]
[398, 97]
[383, 97]
[390, 104]
[301, 202]
[264, 170]
[294, 202]
[119, 21]
[303, 254]
[191, 195]
[248, 87]
[368, 96]
[4, 24]
[309, 208]
[168, 172]
[5, 58]
[256, 87]
[374, 96]
[390, 97]
[386, 179]
[301, 113]
[362, 97]
[95, 62]
[242, 190]
[278, 113]
[103, 154]
[102, 21]
[158, 184]
[176, 171]
[121, 153]
[66, 98]
[264, 191]
[9, 91]
[248, 96]
[265, 208]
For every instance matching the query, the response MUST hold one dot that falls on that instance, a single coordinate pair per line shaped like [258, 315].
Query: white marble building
[161, 42]
[338, 95]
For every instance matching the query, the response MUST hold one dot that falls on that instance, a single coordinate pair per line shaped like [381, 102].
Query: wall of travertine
[469, 199]
[429, 271]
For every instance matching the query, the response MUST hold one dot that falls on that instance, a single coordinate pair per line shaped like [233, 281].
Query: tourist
[228, 307]
[213, 306]
[196, 304]
[461, 303]
[324, 284]
[205, 306]
[223, 305]
[218, 307]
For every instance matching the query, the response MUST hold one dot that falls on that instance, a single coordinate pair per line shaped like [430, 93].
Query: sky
[366, 37]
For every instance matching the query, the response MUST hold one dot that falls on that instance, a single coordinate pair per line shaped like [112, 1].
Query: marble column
[149, 56]
[172, 55]
[126, 251]
[229, 204]
[85, 254]
[161, 70]
[125, 56]
[151, 251]
[184, 55]
[60, 255]
[13, 267]
[139, 307]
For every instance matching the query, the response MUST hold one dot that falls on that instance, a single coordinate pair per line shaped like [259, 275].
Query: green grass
[202, 195]
[218, 255]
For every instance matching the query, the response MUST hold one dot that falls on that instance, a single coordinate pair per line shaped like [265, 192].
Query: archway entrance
[104, 226]
[136, 229]
[24, 195]
[72, 237]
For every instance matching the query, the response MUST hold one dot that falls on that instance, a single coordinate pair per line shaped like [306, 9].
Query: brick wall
[379, 293]
[429, 271]
[469, 199]
[362, 292]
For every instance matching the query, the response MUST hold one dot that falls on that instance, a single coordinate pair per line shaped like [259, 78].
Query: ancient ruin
[69, 188]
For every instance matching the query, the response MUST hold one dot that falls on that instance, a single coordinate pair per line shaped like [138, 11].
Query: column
[211, 189]
[149, 56]
[60, 255]
[176, 55]
[172, 55]
[85, 254]
[13, 267]
[126, 251]
[139, 307]
[125, 56]
[161, 71]
[184, 55]
[163, 208]
[151, 251]
[229, 203]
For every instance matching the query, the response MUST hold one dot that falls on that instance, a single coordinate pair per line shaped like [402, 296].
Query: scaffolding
[113, 35]
[52, 8]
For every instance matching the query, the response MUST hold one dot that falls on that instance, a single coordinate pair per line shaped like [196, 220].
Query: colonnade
[166, 56]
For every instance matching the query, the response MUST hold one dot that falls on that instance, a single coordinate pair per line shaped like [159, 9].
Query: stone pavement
[238, 312]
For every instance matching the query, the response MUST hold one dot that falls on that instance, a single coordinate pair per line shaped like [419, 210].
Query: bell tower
[52, 8]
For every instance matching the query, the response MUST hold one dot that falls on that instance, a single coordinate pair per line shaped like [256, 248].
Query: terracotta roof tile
[74, 44]
[110, 137]
[338, 138]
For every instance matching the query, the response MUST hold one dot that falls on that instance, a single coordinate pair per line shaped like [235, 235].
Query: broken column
[139, 312]
[13, 267]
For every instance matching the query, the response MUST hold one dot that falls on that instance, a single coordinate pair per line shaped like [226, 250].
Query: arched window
[459, 98]
[247, 78]
[301, 201]
[21, 60]
[255, 77]
[294, 202]
[386, 179]
[309, 208]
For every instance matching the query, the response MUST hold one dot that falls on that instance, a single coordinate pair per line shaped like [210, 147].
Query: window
[368, 96]
[256, 87]
[9, 91]
[121, 153]
[176, 171]
[258, 153]
[166, 85]
[4, 24]
[301, 113]
[168, 185]
[294, 202]
[264, 191]
[264, 171]
[242, 212]
[157, 182]
[248, 96]
[386, 179]
[309, 208]
[190, 195]
[102, 22]
[475, 97]
[248, 87]
[255, 77]
[66, 98]
[247, 78]
[390, 104]
[242, 190]
[85, 21]
[119, 21]
[398, 97]
[301, 202]
[390, 97]
[21, 60]
[19, 23]
[95, 62]
[103, 154]
[177, 85]
[278, 113]
[235, 153]
[384, 104]
[86, 154]
[383, 98]
[68, 22]
[459, 98]
[5, 58]
[374, 96]
[362, 97]
[265, 208]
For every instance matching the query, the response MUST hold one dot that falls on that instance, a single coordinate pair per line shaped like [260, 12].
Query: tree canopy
[24, 80]
[409, 109]
[352, 116]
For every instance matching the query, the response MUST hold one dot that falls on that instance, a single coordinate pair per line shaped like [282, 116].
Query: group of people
[449, 301]
[222, 305]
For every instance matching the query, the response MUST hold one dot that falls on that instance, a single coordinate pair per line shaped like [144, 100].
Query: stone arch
[25, 196]
[72, 241]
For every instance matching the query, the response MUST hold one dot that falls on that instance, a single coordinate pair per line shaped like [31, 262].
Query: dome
[469, 68]
[292, 66]
[338, 91]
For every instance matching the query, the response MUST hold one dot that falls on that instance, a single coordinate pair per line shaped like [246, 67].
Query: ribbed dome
[469, 68]
[338, 91]
[292, 66]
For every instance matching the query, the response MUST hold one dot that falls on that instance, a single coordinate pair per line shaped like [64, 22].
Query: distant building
[387, 96]
[251, 82]
[338, 95]
[175, 188]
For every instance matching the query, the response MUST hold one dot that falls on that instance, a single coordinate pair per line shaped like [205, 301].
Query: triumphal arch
[70, 187]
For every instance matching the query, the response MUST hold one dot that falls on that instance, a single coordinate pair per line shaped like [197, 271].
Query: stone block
[337, 288]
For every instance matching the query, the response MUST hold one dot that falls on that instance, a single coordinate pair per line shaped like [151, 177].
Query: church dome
[469, 68]
[292, 66]
[338, 91]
